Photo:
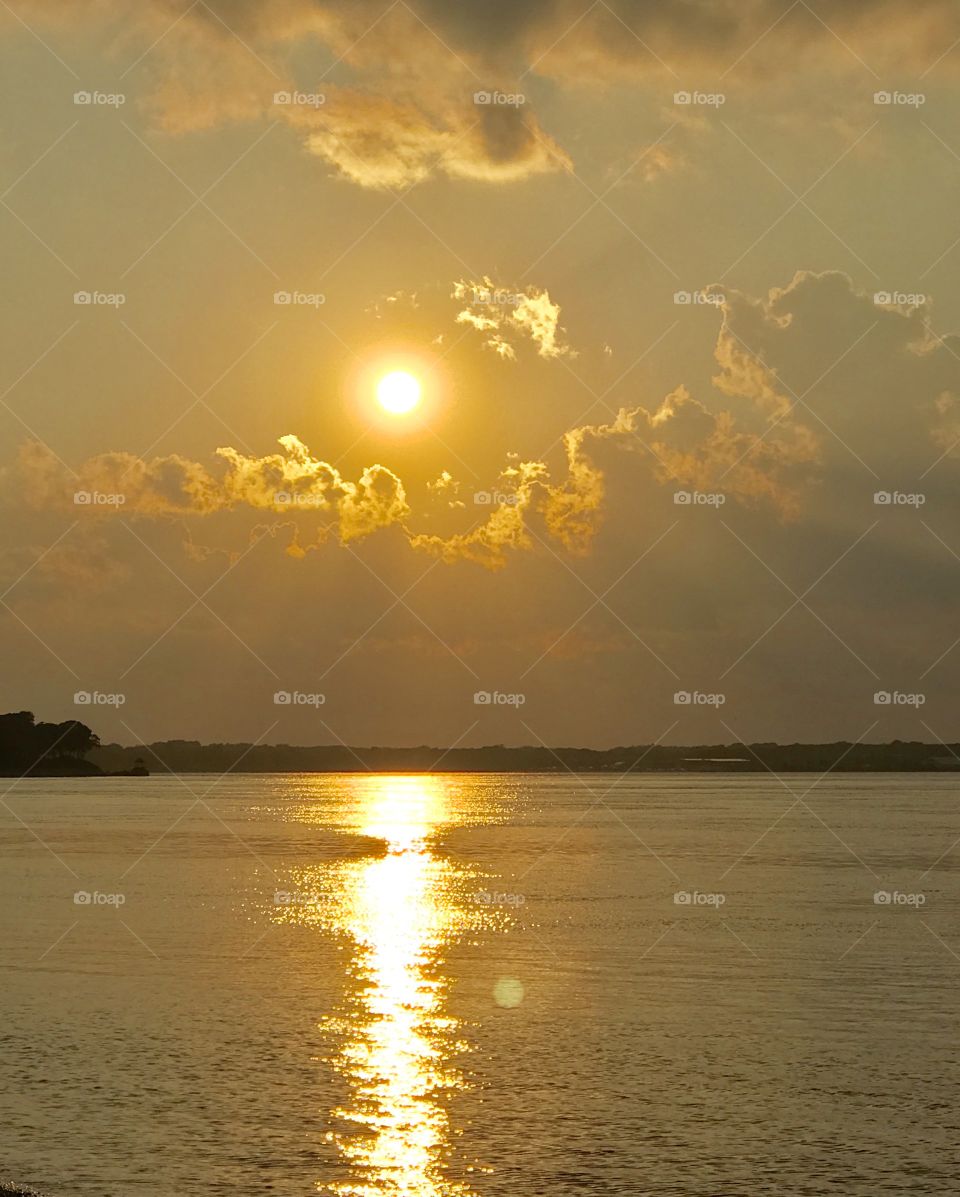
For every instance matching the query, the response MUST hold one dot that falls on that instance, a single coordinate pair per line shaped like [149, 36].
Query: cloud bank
[390, 120]
[821, 393]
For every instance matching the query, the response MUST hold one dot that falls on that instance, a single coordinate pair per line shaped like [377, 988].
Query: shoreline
[191, 756]
[559, 771]
[85, 775]
[492, 771]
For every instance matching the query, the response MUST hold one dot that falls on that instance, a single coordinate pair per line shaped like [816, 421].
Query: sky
[676, 282]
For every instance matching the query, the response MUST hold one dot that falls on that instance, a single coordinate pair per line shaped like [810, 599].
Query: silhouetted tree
[25, 744]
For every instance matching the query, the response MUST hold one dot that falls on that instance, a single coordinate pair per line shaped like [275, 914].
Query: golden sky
[665, 297]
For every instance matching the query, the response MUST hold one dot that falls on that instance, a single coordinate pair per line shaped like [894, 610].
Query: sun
[398, 392]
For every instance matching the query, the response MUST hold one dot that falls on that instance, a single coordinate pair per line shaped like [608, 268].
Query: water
[493, 986]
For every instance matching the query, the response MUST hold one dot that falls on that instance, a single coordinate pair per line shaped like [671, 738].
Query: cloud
[503, 531]
[289, 482]
[295, 480]
[399, 119]
[683, 442]
[506, 315]
[821, 397]
[502, 39]
[376, 501]
[446, 487]
[83, 563]
[635, 39]
[873, 385]
[685, 446]
[383, 142]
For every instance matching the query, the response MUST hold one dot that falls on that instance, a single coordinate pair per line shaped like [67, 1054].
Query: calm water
[380, 986]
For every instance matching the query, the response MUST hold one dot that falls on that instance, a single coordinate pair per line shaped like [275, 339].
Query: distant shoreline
[32, 748]
[92, 772]
[185, 756]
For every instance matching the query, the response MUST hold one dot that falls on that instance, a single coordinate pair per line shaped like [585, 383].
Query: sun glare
[398, 392]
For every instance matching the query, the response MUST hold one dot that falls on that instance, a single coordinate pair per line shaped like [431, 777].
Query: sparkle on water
[398, 909]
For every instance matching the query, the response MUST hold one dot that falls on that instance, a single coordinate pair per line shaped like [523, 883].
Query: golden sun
[398, 392]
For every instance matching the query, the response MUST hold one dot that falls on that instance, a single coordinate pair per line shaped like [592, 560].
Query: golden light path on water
[399, 907]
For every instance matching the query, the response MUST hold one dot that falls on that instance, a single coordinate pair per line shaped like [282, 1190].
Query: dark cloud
[510, 36]
[404, 75]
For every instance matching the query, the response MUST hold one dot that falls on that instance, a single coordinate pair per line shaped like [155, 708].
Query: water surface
[498, 986]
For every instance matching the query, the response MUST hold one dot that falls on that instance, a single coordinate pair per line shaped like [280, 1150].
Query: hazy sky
[791, 169]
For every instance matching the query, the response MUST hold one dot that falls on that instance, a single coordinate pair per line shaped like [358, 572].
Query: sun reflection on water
[396, 1041]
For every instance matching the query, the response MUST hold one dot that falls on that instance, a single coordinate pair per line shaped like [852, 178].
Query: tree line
[29, 746]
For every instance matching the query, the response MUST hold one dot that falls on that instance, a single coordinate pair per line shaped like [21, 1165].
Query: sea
[463, 985]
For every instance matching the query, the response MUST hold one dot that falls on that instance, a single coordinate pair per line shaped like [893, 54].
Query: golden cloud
[685, 443]
[876, 377]
[504, 315]
[385, 142]
[406, 117]
[289, 482]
